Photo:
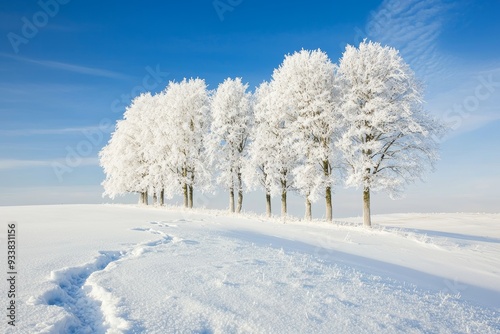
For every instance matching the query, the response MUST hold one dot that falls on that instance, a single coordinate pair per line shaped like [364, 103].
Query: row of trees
[314, 125]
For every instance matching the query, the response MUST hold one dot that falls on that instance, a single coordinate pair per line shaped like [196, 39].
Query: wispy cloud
[61, 194]
[69, 67]
[61, 131]
[470, 103]
[15, 163]
[413, 27]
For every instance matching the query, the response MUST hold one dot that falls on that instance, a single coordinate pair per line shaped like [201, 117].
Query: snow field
[162, 271]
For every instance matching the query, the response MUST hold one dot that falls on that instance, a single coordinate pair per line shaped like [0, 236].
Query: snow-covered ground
[127, 269]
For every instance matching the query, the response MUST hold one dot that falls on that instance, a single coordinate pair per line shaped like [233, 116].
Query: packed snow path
[162, 271]
[70, 294]
[90, 307]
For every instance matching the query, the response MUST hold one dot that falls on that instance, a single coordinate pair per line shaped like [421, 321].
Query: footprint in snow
[190, 242]
[139, 229]
[159, 242]
[150, 230]
[162, 224]
[166, 239]
[72, 293]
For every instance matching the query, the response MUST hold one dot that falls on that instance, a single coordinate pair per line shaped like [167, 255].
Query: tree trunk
[162, 197]
[141, 198]
[231, 200]
[155, 198]
[283, 202]
[240, 201]
[185, 191]
[328, 192]
[308, 215]
[367, 220]
[268, 204]
[190, 199]
[191, 192]
[146, 197]
[328, 202]
[240, 194]
[185, 187]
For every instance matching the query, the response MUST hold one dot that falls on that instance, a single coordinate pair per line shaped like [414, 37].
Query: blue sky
[69, 68]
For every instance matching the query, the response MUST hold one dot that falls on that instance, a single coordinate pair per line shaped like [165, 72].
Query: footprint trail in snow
[89, 307]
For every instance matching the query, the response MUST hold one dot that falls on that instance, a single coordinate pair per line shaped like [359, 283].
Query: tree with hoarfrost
[186, 108]
[158, 148]
[231, 122]
[388, 139]
[272, 156]
[257, 166]
[156, 136]
[123, 159]
[306, 89]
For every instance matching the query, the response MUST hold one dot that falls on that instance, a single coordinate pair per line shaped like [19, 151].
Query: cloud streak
[413, 27]
[62, 131]
[69, 67]
[6, 164]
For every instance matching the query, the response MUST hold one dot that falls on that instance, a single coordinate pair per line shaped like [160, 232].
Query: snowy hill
[127, 269]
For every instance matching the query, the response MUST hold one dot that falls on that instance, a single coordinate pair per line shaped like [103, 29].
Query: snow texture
[126, 269]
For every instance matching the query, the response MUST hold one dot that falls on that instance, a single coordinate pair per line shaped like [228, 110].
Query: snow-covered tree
[158, 147]
[159, 142]
[388, 141]
[306, 90]
[186, 108]
[231, 122]
[272, 156]
[124, 157]
[257, 165]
